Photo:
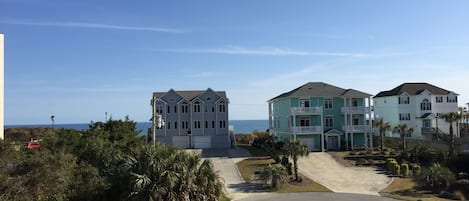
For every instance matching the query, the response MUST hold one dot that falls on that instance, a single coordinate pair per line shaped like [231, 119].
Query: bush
[271, 151]
[405, 169]
[361, 161]
[390, 164]
[416, 169]
[436, 178]
[396, 171]
[371, 162]
[287, 164]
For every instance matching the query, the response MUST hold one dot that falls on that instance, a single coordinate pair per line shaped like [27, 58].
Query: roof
[413, 89]
[191, 94]
[321, 89]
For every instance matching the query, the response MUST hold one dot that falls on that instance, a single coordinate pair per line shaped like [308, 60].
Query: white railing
[355, 110]
[306, 129]
[306, 110]
[356, 128]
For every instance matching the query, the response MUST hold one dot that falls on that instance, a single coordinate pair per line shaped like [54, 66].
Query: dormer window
[404, 99]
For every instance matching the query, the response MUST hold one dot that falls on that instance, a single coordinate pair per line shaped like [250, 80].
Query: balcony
[306, 130]
[355, 110]
[306, 110]
[356, 128]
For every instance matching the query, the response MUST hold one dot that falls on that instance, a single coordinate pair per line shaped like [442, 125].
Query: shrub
[371, 162]
[287, 164]
[396, 171]
[436, 178]
[271, 151]
[390, 164]
[361, 161]
[416, 169]
[405, 169]
[353, 153]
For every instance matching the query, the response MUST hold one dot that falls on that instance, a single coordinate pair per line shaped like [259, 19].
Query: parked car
[32, 145]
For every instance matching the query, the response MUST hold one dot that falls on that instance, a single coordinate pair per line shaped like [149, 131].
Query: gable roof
[191, 94]
[321, 89]
[414, 89]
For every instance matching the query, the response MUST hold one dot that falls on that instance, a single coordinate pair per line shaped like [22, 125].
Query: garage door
[181, 142]
[309, 142]
[202, 142]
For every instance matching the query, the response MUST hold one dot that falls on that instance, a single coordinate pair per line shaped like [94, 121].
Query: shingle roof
[191, 94]
[413, 89]
[321, 89]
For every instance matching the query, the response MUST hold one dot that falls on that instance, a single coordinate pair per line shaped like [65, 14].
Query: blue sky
[80, 59]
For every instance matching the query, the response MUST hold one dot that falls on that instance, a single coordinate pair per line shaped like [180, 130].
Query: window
[304, 103]
[168, 125]
[355, 120]
[304, 122]
[206, 124]
[329, 121]
[451, 99]
[213, 109]
[222, 124]
[196, 124]
[184, 108]
[175, 109]
[168, 109]
[175, 125]
[159, 109]
[328, 103]
[439, 99]
[354, 102]
[221, 107]
[197, 106]
[404, 117]
[425, 105]
[404, 99]
[213, 124]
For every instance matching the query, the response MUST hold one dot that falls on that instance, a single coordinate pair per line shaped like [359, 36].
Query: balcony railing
[306, 129]
[355, 110]
[306, 110]
[356, 128]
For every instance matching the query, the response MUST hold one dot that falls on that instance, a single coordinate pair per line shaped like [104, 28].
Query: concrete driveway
[224, 161]
[322, 168]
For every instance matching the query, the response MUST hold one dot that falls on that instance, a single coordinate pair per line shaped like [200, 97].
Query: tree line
[108, 161]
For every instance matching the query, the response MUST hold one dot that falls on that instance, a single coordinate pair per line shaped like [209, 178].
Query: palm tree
[275, 174]
[383, 127]
[450, 118]
[402, 129]
[294, 150]
[163, 173]
[52, 118]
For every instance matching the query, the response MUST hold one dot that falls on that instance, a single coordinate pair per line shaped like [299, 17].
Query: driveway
[322, 168]
[224, 161]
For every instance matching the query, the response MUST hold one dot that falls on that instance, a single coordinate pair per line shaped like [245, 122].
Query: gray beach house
[192, 119]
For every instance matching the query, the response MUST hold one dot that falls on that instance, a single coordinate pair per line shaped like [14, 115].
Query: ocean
[240, 126]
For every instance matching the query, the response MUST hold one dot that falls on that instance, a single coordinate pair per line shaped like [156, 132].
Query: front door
[426, 123]
[332, 143]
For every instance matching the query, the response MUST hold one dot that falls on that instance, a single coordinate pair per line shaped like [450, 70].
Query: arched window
[221, 106]
[184, 107]
[425, 105]
[196, 106]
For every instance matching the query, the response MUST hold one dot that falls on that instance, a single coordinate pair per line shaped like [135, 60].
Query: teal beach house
[322, 116]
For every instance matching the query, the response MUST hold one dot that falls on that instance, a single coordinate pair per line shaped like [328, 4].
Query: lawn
[405, 189]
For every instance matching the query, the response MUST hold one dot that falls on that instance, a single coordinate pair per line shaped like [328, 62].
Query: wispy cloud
[266, 51]
[91, 26]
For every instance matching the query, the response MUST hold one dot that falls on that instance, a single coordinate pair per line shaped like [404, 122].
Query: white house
[418, 105]
[192, 119]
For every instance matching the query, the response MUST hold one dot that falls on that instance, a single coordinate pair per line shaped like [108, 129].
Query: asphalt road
[316, 196]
